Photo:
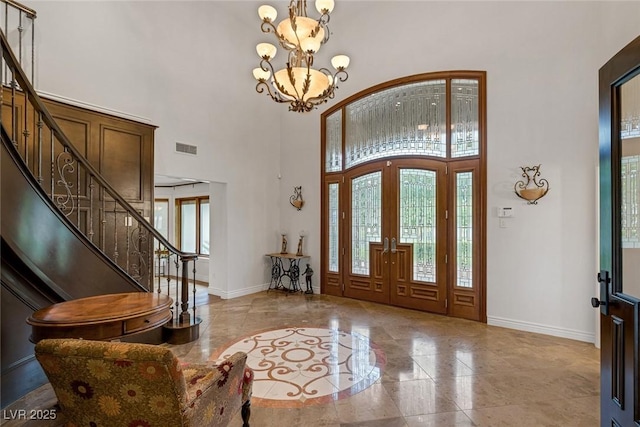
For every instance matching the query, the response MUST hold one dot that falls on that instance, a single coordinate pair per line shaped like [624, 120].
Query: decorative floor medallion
[297, 366]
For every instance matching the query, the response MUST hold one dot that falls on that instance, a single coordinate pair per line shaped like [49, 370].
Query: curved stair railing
[88, 201]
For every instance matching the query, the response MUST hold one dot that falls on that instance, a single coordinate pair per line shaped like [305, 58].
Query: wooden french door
[412, 235]
[619, 276]
[396, 234]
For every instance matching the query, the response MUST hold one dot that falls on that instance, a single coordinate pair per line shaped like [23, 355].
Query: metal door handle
[603, 302]
[385, 247]
[393, 246]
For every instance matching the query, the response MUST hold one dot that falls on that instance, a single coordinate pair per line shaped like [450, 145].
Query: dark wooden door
[619, 278]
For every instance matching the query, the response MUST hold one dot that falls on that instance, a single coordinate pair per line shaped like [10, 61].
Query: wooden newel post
[185, 317]
[185, 327]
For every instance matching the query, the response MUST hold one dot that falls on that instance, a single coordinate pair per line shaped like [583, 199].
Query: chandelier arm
[341, 74]
[260, 89]
[268, 27]
[317, 100]
[274, 94]
[266, 65]
[278, 90]
[323, 22]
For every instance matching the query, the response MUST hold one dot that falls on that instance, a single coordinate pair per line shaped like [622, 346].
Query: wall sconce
[533, 188]
[296, 198]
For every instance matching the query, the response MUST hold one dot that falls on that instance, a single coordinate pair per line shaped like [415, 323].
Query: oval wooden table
[102, 317]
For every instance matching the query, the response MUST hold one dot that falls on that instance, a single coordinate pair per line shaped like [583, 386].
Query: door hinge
[342, 214]
[342, 251]
[446, 258]
[446, 169]
[446, 303]
[343, 287]
[446, 214]
[343, 179]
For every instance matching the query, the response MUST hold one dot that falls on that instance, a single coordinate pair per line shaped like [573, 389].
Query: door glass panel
[464, 118]
[333, 158]
[464, 229]
[630, 185]
[334, 210]
[366, 219]
[399, 121]
[629, 210]
[418, 220]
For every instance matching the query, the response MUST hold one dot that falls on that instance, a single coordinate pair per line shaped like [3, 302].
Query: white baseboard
[541, 329]
[93, 107]
[239, 292]
[246, 291]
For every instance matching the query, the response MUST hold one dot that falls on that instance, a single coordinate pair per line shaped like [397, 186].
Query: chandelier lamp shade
[298, 83]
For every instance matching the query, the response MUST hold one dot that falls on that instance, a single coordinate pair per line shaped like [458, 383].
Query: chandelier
[298, 84]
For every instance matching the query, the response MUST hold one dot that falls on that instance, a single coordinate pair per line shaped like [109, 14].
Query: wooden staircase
[66, 232]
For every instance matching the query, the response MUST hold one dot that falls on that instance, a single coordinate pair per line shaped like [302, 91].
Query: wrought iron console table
[280, 270]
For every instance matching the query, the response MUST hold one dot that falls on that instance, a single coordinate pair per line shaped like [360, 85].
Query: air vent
[186, 148]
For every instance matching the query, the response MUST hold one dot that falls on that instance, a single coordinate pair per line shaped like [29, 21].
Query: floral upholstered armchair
[101, 383]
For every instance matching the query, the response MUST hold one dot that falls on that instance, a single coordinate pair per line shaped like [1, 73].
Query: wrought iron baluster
[40, 124]
[177, 300]
[127, 229]
[150, 274]
[194, 288]
[14, 119]
[25, 130]
[65, 164]
[115, 233]
[51, 172]
[159, 264]
[169, 257]
[91, 186]
[78, 197]
[103, 215]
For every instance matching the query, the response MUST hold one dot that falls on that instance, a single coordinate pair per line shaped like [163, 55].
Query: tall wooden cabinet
[121, 150]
